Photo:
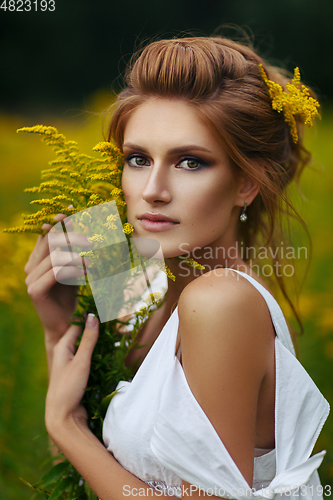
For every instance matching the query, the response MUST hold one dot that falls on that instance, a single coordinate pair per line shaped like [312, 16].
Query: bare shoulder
[223, 301]
[225, 330]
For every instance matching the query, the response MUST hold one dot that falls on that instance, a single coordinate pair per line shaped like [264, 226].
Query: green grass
[24, 443]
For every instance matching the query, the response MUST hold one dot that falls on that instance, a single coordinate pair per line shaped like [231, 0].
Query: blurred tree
[54, 60]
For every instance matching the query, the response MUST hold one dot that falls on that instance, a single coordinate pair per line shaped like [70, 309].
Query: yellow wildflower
[169, 274]
[103, 147]
[80, 191]
[41, 213]
[72, 145]
[83, 156]
[99, 238]
[110, 221]
[58, 162]
[102, 177]
[102, 162]
[74, 175]
[116, 192]
[91, 256]
[39, 129]
[128, 228]
[152, 298]
[112, 217]
[44, 186]
[163, 267]
[45, 201]
[108, 148]
[24, 229]
[193, 263]
[294, 102]
[62, 197]
[86, 217]
[95, 200]
[110, 225]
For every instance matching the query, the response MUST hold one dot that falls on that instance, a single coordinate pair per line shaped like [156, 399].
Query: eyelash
[131, 157]
[201, 164]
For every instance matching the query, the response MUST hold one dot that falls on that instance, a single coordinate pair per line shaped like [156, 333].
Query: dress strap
[278, 319]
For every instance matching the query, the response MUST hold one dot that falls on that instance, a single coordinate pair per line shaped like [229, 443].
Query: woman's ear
[248, 190]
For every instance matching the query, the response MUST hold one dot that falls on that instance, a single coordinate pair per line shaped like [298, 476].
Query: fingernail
[91, 320]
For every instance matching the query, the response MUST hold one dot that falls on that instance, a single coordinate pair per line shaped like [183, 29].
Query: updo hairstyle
[221, 79]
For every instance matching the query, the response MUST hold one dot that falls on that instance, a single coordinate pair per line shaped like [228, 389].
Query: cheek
[132, 182]
[216, 199]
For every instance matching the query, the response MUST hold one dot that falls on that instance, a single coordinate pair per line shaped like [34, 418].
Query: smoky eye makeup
[136, 160]
[191, 163]
[137, 157]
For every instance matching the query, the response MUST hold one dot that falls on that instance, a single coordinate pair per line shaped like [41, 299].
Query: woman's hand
[69, 377]
[54, 302]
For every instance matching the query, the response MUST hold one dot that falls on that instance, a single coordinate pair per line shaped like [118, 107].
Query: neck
[211, 258]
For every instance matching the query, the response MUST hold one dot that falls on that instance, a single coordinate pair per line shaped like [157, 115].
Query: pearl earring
[243, 216]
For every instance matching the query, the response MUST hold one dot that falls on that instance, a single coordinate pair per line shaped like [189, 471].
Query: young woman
[219, 403]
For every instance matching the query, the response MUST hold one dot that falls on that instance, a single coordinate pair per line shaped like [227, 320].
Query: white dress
[157, 430]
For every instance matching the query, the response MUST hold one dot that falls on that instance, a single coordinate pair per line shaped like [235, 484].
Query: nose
[157, 188]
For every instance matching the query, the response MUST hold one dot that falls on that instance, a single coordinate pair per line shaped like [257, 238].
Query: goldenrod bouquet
[73, 184]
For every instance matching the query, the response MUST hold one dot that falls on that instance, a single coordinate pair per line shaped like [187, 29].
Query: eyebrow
[181, 149]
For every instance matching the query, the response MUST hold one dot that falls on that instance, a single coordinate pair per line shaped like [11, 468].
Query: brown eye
[191, 164]
[137, 161]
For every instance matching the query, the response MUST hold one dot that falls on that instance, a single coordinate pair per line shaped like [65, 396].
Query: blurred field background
[51, 67]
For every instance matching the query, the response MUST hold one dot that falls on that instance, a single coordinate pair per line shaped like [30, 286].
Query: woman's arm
[66, 420]
[227, 341]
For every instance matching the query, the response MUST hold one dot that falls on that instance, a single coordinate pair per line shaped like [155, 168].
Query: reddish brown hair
[221, 79]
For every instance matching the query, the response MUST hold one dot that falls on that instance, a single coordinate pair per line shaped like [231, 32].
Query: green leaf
[52, 458]
[38, 490]
[52, 475]
[61, 486]
[106, 401]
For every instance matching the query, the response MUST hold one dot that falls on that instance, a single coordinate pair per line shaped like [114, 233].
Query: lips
[157, 217]
[156, 222]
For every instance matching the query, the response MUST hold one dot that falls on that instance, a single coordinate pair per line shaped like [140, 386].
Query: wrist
[54, 334]
[52, 337]
[63, 428]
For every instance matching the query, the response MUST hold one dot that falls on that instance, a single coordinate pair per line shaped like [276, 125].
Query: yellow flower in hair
[294, 102]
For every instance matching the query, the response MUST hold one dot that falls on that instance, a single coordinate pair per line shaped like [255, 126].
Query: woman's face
[175, 168]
